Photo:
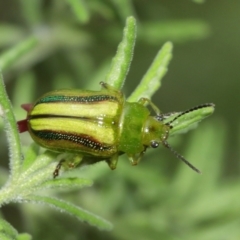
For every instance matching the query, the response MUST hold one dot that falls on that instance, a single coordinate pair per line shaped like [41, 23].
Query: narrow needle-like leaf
[122, 60]
[71, 209]
[15, 150]
[151, 81]
[11, 56]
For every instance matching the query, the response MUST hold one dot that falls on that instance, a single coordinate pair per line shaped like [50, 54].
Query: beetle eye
[154, 144]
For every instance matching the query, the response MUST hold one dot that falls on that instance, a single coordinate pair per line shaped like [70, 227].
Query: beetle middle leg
[69, 162]
[135, 159]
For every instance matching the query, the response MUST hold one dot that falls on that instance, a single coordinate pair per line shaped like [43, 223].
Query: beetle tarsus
[57, 169]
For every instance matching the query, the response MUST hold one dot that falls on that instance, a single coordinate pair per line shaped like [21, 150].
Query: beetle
[98, 125]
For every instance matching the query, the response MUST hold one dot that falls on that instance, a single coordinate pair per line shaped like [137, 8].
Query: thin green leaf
[15, 151]
[238, 150]
[31, 11]
[5, 237]
[122, 60]
[151, 81]
[224, 229]
[24, 236]
[199, 1]
[204, 155]
[42, 161]
[219, 196]
[7, 231]
[67, 183]
[80, 10]
[71, 209]
[212, 153]
[23, 92]
[207, 156]
[11, 56]
[183, 121]
[30, 156]
[175, 30]
[10, 34]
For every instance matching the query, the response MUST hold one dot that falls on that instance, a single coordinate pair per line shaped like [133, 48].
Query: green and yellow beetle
[98, 125]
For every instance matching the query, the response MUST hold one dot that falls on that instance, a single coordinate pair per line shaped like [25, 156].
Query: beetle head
[156, 132]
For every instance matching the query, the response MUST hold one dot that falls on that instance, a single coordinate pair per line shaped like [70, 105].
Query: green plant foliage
[151, 81]
[121, 62]
[34, 172]
[199, 1]
[47, 45]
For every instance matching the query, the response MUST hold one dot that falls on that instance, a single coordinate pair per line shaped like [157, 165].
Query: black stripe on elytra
[30, 117]
[77, 99]
[80, 139]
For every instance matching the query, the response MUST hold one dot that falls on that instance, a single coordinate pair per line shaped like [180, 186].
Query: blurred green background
[160, 198]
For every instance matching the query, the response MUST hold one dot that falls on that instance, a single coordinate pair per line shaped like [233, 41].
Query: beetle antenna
[166, 144]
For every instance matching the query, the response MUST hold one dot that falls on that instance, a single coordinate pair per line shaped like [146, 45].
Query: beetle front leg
[112, 89]
[109, 87]
[143, 101]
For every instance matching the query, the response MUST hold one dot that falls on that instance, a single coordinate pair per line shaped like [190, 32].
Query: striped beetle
[99, 125]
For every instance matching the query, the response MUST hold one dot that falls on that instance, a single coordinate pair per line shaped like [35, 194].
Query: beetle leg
[110, 88]
[112, 162]
[118, 94]
[57, 169]
[107, 86]
[135, 159]
[68, 163]
[143, 101]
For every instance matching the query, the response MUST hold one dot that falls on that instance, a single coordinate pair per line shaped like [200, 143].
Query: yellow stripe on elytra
[102, 133]
[105, 109]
